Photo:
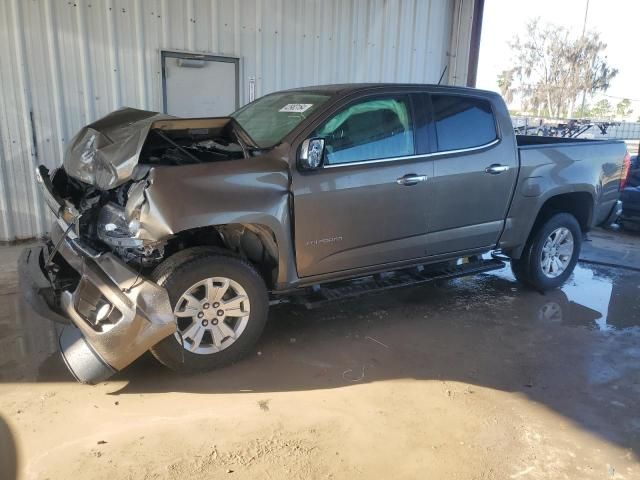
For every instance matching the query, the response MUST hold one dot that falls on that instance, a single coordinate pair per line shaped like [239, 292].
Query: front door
[366, 205]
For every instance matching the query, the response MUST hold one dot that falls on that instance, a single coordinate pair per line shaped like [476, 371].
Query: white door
[199, 85]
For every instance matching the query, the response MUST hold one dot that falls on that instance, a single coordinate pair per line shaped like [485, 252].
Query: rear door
[366, 205]
[474, 175]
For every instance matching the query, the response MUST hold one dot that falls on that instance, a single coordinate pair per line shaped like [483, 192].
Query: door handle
[411, 179]
[496, 168]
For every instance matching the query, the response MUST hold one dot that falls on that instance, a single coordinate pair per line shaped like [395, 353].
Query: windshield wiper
[244, 139]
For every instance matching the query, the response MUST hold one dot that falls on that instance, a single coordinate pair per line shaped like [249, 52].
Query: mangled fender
[254, 190]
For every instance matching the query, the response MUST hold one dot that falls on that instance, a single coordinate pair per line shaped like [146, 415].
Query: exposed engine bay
[185, 146]
[105, 189]
[101, 220]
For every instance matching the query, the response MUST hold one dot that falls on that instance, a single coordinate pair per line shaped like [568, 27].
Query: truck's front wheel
[551, 253]
[220, 304]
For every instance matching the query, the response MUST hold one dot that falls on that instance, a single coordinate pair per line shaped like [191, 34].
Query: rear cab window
[462, 122]
[368, 129]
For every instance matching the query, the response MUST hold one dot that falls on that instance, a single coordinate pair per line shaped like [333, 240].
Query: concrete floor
[474, 378]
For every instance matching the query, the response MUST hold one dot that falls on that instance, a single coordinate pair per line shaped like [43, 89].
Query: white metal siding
[66, 63]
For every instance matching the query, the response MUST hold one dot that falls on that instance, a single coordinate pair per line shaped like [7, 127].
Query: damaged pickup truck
[175, 235]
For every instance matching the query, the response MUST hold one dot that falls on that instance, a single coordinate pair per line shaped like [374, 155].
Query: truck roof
[347, 88]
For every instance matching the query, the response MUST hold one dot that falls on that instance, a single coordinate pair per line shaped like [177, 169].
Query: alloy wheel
[211, 315]
[557, 252]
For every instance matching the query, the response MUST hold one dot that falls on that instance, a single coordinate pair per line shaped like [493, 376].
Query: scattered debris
[46, 396]
[377, 341]
[347, 373]
[264, 405]
[522, 472]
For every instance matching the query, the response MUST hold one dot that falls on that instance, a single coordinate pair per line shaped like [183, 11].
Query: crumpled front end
[113, 314]
[109, 167]
[135, 189]
[105, 153]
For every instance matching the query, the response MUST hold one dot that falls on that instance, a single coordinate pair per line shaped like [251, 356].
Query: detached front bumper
[114, 314]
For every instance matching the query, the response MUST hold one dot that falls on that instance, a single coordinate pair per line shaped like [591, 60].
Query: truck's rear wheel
[551, 253]
[220, 304]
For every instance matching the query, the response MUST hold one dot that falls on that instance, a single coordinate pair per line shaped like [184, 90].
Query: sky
[617, 21]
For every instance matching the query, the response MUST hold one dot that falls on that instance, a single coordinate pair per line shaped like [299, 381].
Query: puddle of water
[601, 298]
[593, 291]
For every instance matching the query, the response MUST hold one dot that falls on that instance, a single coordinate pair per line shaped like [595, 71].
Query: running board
[320, 295]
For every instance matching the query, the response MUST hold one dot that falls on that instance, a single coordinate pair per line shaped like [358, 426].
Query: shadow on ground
[576, 350]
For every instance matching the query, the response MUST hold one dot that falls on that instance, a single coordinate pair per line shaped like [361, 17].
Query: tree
[581, 112]
[623, 108]
[602, 109]
[552, 69]
[505, 83]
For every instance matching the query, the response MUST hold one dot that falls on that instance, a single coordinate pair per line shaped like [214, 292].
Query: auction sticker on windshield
[296, 107]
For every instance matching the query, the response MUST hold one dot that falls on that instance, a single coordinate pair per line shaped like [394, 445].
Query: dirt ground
[475, 378]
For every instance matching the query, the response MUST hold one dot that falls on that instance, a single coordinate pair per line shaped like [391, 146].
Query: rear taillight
[626, 164]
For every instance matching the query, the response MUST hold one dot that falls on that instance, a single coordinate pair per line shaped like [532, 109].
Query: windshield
[270, 118]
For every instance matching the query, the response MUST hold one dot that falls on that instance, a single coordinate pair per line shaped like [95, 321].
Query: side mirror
[311, 153]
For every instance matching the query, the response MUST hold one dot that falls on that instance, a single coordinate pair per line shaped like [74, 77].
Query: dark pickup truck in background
[630, 216]
[174, 235]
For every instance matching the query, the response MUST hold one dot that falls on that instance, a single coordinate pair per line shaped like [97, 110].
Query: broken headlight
[115, 228]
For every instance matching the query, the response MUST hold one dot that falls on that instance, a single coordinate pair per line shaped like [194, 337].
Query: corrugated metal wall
[65, 63]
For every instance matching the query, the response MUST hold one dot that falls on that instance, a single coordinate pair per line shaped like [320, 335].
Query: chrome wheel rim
[211, 315]
[557, 252]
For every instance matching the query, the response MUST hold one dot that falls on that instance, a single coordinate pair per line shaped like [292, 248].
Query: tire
[535, 267]
[190, 351]
[518, 270]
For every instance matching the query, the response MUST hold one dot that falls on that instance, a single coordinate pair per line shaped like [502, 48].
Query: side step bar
[320, 295]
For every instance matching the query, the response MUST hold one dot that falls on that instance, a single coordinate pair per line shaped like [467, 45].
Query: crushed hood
[105, 152]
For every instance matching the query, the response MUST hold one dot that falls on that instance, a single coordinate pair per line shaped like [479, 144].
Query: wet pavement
[534, 385]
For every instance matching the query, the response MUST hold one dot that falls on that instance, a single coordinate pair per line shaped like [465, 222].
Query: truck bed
[570, 163]
[537, 141]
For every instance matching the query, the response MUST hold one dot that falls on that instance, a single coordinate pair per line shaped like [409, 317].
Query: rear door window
[462, 122]
[370, 129]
